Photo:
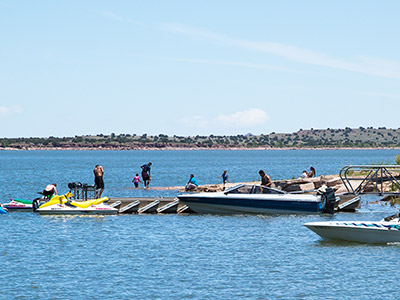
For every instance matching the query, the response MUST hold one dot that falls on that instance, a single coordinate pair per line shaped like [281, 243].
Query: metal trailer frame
[377, 174]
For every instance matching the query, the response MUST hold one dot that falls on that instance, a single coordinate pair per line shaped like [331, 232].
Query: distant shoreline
[187, 148]
[318, 139]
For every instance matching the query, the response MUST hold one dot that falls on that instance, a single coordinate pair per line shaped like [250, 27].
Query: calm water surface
[184, 256]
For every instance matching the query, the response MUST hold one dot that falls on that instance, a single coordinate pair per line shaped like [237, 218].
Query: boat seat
[86, 204]
[54, 201]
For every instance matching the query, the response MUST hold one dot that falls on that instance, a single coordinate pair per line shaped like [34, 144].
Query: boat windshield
[252, 189]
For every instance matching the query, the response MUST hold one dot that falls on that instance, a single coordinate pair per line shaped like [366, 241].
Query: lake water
[184, 256]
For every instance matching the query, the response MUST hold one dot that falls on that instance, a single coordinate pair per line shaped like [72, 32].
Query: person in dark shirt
[146, 175]
[224, 177]
[265, 179]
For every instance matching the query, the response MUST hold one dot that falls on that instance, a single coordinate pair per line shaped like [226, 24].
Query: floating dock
[149, 205]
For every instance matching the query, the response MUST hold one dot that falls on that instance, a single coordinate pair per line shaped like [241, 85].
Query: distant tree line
[313, 138]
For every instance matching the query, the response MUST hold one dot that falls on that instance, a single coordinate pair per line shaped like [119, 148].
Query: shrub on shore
[397, 159]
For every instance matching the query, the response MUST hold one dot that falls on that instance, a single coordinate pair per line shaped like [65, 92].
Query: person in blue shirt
[224, 177]
[192, 183]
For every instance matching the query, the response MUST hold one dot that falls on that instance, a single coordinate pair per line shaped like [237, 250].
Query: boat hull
[356, 231]
[66, 210]
[18, 207]
[225, 205]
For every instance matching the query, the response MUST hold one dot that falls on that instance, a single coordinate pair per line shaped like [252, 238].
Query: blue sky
[197, 67]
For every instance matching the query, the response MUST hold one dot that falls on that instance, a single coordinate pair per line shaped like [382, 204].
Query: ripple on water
[183, 256]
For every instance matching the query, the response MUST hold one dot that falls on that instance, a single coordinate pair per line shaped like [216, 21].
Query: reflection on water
[188, 257]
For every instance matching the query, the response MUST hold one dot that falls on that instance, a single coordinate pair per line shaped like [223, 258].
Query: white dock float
[350, 202]
[182, 209]
[115, 204]
[131, 207]
[169, 208]
[149, 208]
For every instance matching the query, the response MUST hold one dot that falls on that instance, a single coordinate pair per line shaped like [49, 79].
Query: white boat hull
[18, 207]
[58, 209]
[358, 231]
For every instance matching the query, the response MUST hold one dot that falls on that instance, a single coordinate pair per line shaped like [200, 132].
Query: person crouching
[192, 184]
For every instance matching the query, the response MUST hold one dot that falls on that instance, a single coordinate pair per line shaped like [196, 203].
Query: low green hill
[312, 138]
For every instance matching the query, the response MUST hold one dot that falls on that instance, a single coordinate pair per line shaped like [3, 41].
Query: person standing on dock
[265, 179]
[224, 177]
[146, 175]
[98, 180]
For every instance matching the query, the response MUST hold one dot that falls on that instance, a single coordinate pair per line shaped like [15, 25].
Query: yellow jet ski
[60, 204]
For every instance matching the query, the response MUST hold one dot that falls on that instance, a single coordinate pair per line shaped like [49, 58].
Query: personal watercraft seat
[86, 204]
[23, 201]
[59, 199]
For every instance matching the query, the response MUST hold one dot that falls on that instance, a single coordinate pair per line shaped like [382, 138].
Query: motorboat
[19, 205]
[60, 204]
[380, 232]
[247, 198]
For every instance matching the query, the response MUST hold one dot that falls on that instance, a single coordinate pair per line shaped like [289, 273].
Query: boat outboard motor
[329, 199]
[72, 185]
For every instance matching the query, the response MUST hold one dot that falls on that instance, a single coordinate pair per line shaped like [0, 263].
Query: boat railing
[82, 191]
[371, 179]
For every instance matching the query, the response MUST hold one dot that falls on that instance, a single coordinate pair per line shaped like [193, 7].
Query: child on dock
[304, 174]
[136, 181]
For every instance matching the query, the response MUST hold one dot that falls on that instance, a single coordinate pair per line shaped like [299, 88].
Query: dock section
[149, 205]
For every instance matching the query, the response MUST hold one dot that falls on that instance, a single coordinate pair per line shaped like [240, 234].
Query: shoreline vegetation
[348, 138]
